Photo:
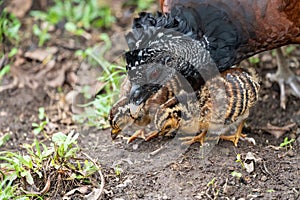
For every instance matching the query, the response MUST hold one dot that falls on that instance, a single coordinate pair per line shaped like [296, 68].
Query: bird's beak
[114, 133]
[139, 95]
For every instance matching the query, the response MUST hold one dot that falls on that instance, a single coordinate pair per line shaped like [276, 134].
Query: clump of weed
[40, 168]
[97, 110]
[76, 16]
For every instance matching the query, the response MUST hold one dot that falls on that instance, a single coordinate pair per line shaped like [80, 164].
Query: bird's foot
[284, 76]
[292, 81]
[138, 134]
[235, 137]
[191, 140]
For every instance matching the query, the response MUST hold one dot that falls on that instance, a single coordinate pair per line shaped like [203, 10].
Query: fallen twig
[99, 192]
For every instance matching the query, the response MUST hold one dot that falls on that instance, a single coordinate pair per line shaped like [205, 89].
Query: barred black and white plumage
[213, 35]
[174, 36]
[150, 68]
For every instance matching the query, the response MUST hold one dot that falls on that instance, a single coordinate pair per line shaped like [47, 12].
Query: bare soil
[163, 168]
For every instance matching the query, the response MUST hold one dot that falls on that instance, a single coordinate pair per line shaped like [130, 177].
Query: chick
[124, 114]
[222, 103]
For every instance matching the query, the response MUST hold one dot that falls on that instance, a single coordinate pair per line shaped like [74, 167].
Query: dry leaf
[59, 77]
[19, 7]
[81, 190]
[278, 131]
[41, 54]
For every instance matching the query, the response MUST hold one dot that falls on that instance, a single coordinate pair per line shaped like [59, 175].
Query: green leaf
[27, 161]
[12, 52]
[4, 139]
[236, 174]
[41, 113]
[54, 16]
[71, 153]
[290, 49]
[71, 138]
[37, 130]
[211, 182]
[61, 151]
[36, 29]
[254, 60]
[40, 174]
[71, 27]
[39, 15]
[38, 148]
[286, 142]
[86, 17]
[34, 124]
[4, 70]
[59, 138]
[47, 151]
[28, 177]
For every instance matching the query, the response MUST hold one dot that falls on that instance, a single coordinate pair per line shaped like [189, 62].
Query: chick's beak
[114, 133]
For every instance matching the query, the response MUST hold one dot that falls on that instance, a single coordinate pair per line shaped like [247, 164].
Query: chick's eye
[154, 74]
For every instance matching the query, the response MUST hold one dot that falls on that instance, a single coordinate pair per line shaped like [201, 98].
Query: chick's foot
[235, 137]
[191, 140]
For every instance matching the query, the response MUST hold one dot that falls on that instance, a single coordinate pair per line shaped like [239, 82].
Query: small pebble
[229, 190]
[264, 178]
[135, 146]
[290, 153]
[140, 195]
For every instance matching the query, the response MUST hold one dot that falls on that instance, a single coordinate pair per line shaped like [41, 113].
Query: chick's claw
[191, 140]
[235, 137]
[137, 134]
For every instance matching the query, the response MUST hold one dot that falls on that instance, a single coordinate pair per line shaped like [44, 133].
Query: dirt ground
[163, 168]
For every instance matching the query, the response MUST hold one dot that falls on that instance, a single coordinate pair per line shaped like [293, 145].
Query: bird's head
[159, 47]
[119, 117]
[148, 74]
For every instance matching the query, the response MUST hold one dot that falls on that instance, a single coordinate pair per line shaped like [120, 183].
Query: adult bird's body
[211, 36]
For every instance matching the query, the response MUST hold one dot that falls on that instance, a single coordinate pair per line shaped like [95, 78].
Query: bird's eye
[154, 74]
[136, 94]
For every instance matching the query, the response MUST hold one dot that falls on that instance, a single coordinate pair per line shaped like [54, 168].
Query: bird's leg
[152, 135]
[283, 76]
[235, 137]
[166, 130]
[138, 134]
[191, 140]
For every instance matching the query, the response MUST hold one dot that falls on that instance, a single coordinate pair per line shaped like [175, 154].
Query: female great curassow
[211, 35]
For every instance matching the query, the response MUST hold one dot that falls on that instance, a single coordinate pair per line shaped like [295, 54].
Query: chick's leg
[152, 135]
[283, 76]
[138, 134]
[191, 140]
[235, 137]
